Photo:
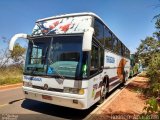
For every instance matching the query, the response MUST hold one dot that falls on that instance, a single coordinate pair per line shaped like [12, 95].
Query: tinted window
[94, 60]
[102, 57]
[127, 53]
[115, 45]
[98, 27]
[36, 59]
[119, 48]
[108, 39]
[36, 55]
[65, 54]
[123, 49]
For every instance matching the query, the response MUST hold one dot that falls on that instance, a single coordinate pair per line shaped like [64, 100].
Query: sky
[130, 20]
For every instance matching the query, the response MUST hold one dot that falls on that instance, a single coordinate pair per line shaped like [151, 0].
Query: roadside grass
[140, 85]
[10, 75]
[135, 87]
[138, 90]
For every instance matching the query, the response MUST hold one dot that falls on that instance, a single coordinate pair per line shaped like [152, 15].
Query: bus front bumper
[56, 98]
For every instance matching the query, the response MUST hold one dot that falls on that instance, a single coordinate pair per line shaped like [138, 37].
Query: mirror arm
[15, 37]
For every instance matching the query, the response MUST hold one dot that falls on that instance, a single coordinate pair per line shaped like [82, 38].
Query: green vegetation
[17, 53]
[136, 68]
[147, 49]
[149, 54]
[11, 65]
[143, 74]
[153, 92]
[11, 75]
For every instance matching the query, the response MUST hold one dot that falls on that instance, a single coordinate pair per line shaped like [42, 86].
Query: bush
[153, 72]
[142, 74]
[135, 68]
[11, 74]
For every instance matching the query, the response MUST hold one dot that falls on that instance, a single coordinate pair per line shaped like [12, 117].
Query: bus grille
[49, 89]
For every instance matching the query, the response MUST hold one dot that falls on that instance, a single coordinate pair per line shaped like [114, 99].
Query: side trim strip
[114, 82]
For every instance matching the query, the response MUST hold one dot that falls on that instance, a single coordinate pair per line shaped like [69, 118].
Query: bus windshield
[54, 56]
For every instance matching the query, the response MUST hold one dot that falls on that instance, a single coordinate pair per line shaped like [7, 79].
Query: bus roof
[74, 14]
[78, 14]
[70, 15]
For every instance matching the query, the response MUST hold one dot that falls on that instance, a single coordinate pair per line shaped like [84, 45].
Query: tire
[103, 93]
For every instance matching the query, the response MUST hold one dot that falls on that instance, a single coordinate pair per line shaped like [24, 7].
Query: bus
[73, 60]
[136, 66]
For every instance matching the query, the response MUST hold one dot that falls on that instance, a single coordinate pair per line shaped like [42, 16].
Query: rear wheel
[103, 93]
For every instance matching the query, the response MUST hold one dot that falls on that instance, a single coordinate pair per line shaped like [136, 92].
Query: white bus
[73, 60]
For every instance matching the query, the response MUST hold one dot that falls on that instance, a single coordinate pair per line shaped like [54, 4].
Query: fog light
[81, 91]
[75, 101]
[27, 84]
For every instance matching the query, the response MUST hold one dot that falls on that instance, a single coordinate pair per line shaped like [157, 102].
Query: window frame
[108, 34]
[100, 23]
[100, 58]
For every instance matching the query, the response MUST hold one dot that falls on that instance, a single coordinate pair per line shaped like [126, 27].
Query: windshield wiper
[61, 76]
[50, 61]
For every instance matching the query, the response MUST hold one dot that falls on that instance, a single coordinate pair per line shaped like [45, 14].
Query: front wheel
[103, 93]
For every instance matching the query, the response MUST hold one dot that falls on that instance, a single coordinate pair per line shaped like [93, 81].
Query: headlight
[27, 84]
[73, 90]
[66, 90]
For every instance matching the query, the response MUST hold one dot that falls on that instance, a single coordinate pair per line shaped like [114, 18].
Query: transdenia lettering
[110, 59]
[32, 78]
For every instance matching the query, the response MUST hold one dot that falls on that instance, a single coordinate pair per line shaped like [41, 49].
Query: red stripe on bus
[97, 94]
[113, 79]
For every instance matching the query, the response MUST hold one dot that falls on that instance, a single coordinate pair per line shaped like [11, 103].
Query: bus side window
[123, 49]
[115, 45]
[125, 52]
[36, 55]
[94, 60]
[108, 39]
[99, 28]
[101, 58]
[119, 48]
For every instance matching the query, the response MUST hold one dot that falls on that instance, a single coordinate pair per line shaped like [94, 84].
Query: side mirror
[87, 39]
[15, 37]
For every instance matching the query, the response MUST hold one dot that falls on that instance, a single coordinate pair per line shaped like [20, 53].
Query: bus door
[96, 66]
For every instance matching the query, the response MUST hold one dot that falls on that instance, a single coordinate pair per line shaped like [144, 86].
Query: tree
[15, 56]
[157, 23]
[17, 53]
[157, 26]
[147, 48]
[4, 53]
[4, 57]
[153, 71]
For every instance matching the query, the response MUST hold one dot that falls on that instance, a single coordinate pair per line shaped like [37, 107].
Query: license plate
[46, 97]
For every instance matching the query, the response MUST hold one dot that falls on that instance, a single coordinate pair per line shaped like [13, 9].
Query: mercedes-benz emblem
[45, 87]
